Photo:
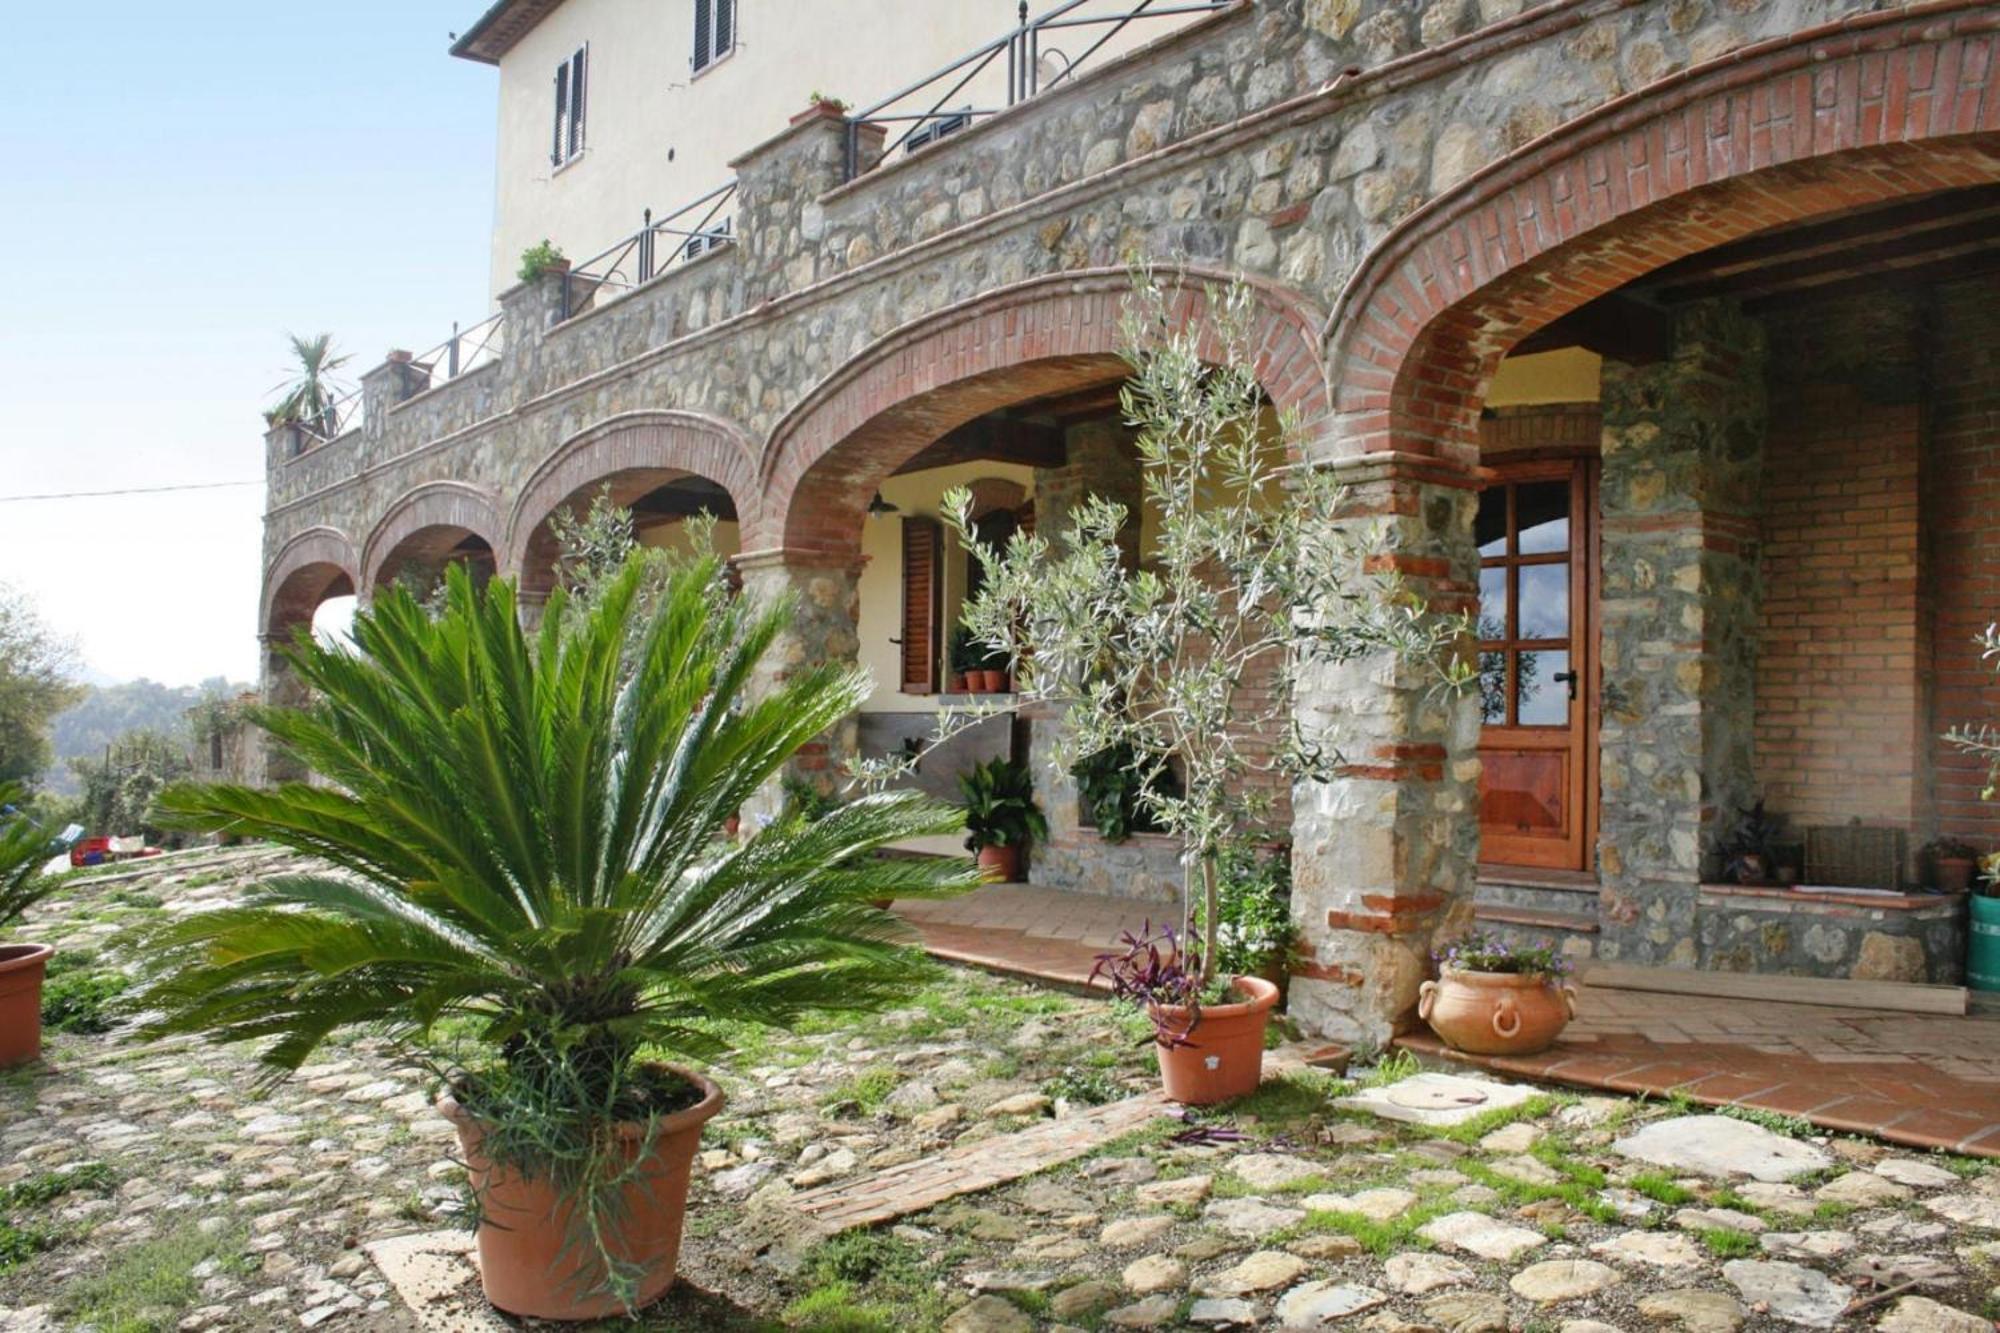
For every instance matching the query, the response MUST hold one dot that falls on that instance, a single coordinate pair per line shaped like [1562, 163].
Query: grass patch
[865, 1280]
[147, 1287]
[1578, 1190]
[1776, 1121]
[1378, 1238]
[866, 1091]
[1295, 1095]
[1393, 1067]
[80, 996]
[48, 1186]
[1083, 1086]
[835, 1309]
[1661, 1188]
[1724, 1243]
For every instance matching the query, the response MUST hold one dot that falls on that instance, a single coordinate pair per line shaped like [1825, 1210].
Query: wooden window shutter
[578, 64]
[725, 26]
[702, 30]
[923, 603]
[562, 113]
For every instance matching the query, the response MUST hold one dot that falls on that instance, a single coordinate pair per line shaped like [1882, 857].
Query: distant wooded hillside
[110, 711]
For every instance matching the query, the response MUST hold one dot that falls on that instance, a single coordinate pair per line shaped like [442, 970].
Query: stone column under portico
[1383, 854]
[826, 589]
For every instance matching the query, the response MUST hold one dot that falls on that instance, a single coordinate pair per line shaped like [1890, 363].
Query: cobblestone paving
[158, 1187]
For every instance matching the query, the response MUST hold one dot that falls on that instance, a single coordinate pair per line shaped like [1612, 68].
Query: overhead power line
[130, 490]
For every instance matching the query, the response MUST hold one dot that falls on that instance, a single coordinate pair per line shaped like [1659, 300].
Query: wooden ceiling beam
[993, 439]
[1953, 269]
[1617, 325]
[1856, 261]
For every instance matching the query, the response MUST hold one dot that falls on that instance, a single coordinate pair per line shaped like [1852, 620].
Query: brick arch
[434, 504]
[633, 452]
[1033, 338]
[315, 565]
[1866, 110]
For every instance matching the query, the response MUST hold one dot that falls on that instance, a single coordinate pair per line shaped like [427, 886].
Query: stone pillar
[528, 310]
[1100, 461]
[827, 600]
[1678, 606]
[1383, 855]
[279, 688]
[396, 379]
[780, 222]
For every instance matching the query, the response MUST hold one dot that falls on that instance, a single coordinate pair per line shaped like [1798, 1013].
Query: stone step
[1574, 933]
[1537, 891]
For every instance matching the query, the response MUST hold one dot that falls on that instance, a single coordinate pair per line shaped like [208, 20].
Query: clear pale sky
[185, 184]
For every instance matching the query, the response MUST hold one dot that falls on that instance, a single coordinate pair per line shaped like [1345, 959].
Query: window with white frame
[570, 104]
[714, 31]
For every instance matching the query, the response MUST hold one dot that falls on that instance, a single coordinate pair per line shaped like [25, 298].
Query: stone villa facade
[1664, 332]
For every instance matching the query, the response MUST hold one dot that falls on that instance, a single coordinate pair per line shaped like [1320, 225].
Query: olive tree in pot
[525, 891]
[1191, 662]
[24, 847]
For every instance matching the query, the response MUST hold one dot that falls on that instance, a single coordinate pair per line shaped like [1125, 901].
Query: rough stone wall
[1841, 705]
[1223, 144]
[1833, 935]
[1682, 450]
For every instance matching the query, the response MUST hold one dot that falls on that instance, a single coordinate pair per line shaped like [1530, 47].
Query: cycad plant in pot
[524, 890]
[1190, 663]
[24, 847]
[1001, 816]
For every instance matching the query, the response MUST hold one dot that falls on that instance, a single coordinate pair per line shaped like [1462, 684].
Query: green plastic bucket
[1982, 953]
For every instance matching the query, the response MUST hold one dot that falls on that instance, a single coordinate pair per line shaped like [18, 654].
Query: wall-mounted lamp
[878, 507]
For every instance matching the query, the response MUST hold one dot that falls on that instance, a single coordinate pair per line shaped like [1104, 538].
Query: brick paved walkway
[1922, 1079]
[1926, 1080]
[1043, 934]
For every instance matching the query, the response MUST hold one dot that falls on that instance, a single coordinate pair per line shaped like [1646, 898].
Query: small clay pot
[22, 969]
[1954, 873]
[1496, 1013]
[1001, 864]
[531, 1264]
[1222, 1057]
[989, 682]
[956, 683]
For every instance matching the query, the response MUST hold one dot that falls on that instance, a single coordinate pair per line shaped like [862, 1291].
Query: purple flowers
[1478, 951]
[1153, 972]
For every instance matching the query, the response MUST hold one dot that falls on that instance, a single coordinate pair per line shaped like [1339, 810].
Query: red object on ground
[90, 852]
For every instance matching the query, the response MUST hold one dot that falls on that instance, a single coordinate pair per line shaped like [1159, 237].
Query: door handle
[1566, 678]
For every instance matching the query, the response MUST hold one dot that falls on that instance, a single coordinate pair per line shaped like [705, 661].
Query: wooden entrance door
[1536, 555]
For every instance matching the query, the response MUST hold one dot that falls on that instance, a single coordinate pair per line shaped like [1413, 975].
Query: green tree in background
[34, 687]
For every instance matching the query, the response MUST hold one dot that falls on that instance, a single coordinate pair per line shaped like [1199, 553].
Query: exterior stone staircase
[1532, 907]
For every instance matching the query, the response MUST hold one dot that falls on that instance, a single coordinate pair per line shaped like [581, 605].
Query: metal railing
[1025, 51]
[339, 416]
[466, 349]
[692, 229]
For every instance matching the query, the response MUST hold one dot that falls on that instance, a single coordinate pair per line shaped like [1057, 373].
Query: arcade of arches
[1694, 404]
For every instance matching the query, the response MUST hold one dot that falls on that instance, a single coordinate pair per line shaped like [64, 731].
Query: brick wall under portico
[1842, 649]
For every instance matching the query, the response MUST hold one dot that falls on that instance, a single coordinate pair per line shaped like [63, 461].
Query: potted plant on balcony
[992, 671]
[1253, 582]
[306, 402]
[1001, 816]
[1952, 863]
[526, 895]
[965, 657]
[23, 849]
[1493, 999]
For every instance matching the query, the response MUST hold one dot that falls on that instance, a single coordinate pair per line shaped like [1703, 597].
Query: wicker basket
[1860, 856]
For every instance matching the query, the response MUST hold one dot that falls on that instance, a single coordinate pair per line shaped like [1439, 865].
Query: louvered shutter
[725, 26]
[923, 603]
[562, 114]
[702, 50]
[576, 101]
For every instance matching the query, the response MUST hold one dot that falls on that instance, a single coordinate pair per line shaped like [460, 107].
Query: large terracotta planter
[22, 967]
[531, 1264]
[1223, 1056]
[1496, 1013]
[1001, 864]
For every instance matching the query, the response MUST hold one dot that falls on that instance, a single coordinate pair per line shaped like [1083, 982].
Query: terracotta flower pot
[1954, 874]
[22, 967]
[1001, 864]
[990, 682]
[1496, 1013]
[531, 1264]
[956, 685]
[1223, 1056]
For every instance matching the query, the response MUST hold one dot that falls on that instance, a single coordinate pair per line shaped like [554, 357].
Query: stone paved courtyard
[160, 1187]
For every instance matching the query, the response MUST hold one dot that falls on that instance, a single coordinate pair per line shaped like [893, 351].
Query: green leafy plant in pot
[1253, 580]
[965, 657]
[1001, 816]
[524, 890]
[24, 847]
[1951, 864]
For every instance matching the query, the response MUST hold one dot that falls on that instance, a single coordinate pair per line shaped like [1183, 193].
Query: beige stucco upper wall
[659, 136]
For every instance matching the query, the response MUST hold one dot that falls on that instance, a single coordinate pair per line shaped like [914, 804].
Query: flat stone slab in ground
[1720, 1145]
[438, 1278]
[1437, 1099]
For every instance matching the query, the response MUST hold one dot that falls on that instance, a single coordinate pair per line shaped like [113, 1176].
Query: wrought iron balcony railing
[693, 229]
